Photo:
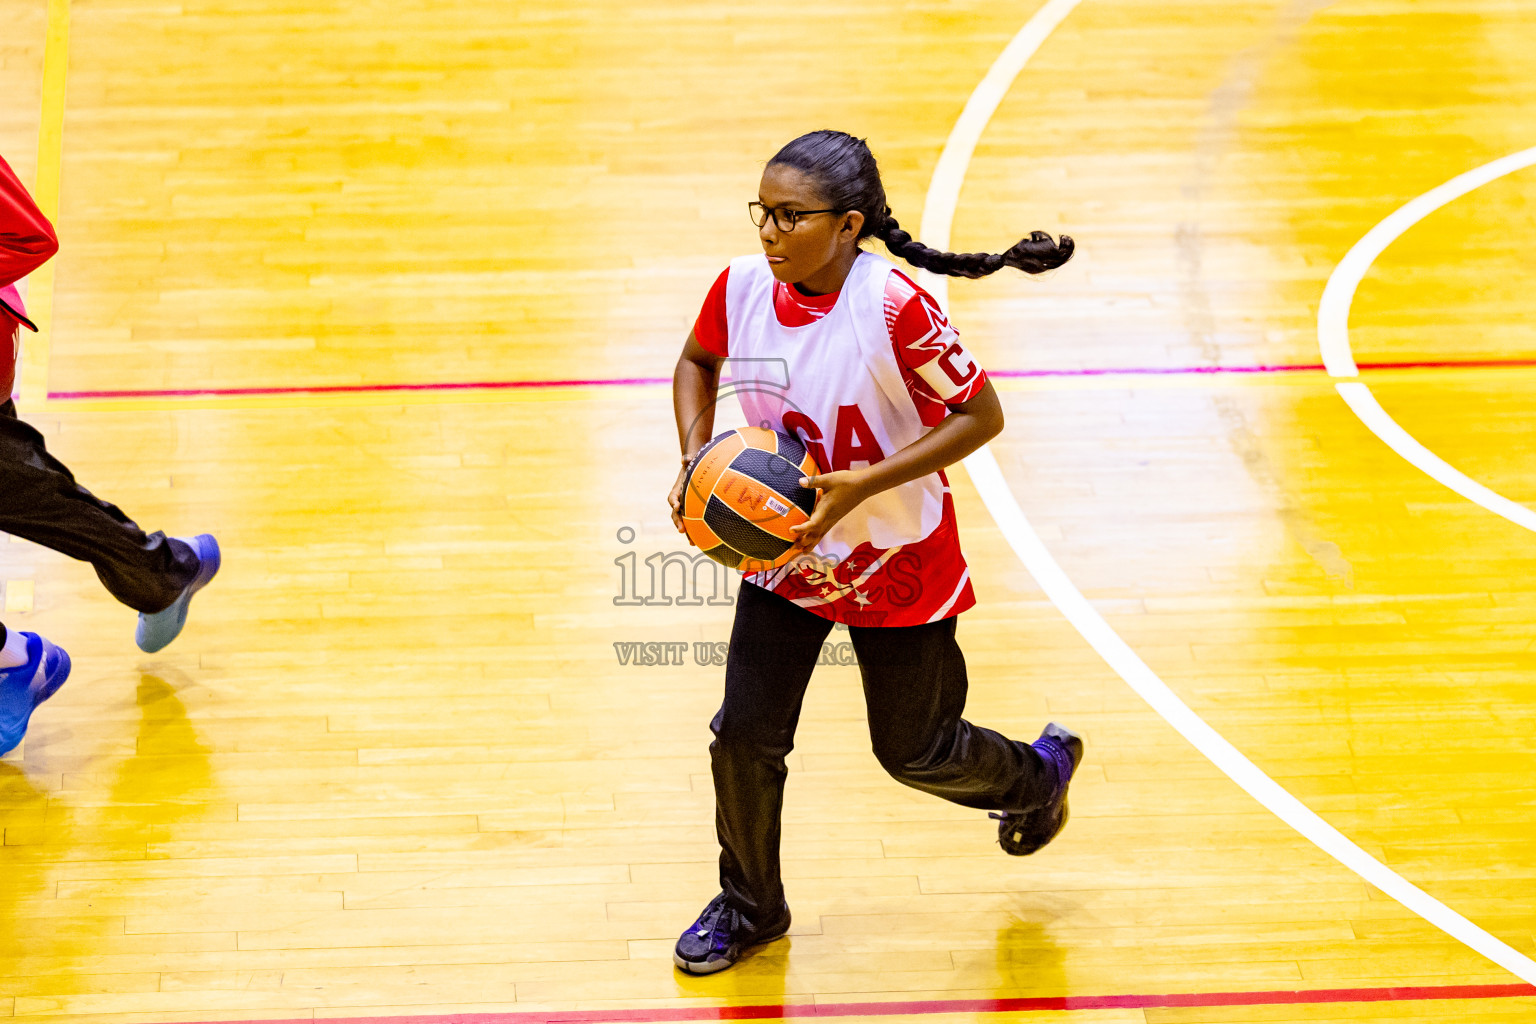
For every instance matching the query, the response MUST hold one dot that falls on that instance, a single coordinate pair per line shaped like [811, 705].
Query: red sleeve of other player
[709, 329]
[26, 238]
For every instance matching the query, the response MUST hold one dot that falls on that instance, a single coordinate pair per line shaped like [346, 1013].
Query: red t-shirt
[26, 243]
[920, 582]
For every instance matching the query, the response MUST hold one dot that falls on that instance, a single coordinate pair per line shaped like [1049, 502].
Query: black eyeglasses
[782, 216]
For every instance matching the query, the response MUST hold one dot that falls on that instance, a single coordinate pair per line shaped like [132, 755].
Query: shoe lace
[719, 923]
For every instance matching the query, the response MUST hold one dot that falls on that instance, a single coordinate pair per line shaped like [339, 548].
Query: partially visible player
[31, 670]
[40, 501]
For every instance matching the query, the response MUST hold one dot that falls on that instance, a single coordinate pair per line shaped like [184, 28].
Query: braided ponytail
[1033, 255]
[844, 170]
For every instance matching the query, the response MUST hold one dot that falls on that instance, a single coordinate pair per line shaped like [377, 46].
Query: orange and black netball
[742, 494]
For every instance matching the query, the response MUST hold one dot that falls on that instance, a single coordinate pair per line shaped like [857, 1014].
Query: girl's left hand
[841, 492]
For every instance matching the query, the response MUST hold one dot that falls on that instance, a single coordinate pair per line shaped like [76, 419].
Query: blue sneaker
[1022, 833]
[719, 937]
[158, 630]
[23, 688]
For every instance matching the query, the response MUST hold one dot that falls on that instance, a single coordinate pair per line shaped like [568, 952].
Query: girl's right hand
[675, 499]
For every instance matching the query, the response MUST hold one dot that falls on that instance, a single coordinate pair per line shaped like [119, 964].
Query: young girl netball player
[884, 396]
[154, 574]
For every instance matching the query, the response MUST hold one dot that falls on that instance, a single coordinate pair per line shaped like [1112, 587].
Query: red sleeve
[709, 329]
[938, 369]
[26, 238]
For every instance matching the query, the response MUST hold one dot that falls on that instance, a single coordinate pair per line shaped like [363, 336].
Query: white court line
[943, 194]
[1399, 440]
[1333, 334]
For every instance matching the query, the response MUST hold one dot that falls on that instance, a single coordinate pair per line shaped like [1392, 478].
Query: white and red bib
[837, 384]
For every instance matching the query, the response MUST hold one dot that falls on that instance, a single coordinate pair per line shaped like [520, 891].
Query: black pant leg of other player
[41, 502]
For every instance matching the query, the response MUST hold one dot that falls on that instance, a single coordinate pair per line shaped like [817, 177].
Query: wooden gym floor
[394, 766]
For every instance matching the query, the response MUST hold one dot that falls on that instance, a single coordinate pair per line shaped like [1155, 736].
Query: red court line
[504, 385]
[1421, 364]
[1032, 1004]
[331, 389]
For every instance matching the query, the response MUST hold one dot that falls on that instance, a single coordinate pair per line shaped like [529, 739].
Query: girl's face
[822, 247]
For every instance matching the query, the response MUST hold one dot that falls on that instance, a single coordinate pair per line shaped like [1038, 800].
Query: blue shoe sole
[156, 631]
[10, 737]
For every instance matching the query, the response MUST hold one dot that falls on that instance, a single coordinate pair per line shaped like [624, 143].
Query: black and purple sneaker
[1023, 832]
[719, 937]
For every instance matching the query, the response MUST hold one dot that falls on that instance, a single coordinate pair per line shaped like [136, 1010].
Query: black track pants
[914, 688]
[40, 501]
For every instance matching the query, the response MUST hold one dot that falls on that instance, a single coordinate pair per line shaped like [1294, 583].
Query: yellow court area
[395, 766]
